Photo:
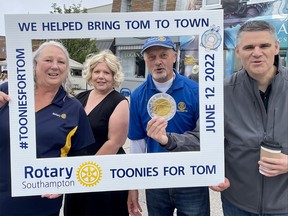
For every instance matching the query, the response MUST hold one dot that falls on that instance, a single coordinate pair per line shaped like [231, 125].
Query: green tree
[77, 48]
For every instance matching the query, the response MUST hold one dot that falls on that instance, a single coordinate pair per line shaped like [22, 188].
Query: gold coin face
[162, 105]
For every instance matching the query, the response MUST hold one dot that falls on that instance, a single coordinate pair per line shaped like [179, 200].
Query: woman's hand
[51, 196]
[4, 98]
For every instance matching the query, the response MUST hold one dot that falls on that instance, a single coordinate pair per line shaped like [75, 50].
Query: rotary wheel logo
[89, 174]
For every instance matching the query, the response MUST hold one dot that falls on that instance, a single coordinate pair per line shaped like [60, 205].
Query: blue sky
[39, 7]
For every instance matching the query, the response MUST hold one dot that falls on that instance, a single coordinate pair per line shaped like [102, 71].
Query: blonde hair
[112, 61]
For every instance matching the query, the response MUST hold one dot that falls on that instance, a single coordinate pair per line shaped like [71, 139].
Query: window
[126, 6]
[133, 63]
[258, 1]
[283, 57]
[129, 5]
[162, 5]
[159, 5]
[211, 4]
[181, 4]
[76, 72]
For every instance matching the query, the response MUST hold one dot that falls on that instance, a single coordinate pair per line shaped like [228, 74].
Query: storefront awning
[130, 47]
[104, 44]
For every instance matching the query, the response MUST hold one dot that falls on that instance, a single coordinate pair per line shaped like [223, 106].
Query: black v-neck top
[99, 117]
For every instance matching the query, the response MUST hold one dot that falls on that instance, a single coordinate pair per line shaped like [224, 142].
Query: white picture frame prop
[32, 176]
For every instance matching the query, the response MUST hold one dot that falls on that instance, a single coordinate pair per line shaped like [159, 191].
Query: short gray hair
[256, 25]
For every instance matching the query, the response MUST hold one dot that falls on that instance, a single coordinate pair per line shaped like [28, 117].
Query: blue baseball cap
[163, 41]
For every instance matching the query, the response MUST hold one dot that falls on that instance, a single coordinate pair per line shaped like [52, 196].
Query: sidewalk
[215, 200]
[215, 203]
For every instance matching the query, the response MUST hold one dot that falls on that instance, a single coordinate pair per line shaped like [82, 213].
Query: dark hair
[256, 25]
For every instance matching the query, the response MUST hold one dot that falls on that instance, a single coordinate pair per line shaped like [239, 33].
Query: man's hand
[134, 208]
[274, 166]
[156, 129]
[222, 186]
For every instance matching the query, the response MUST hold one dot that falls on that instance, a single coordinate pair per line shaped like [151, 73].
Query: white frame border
[208, 163]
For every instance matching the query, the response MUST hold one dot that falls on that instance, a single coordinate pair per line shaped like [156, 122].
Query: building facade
[235, 13]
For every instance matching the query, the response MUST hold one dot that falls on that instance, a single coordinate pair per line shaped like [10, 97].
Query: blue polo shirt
[61, 128]
[65, 123]
[186, 95]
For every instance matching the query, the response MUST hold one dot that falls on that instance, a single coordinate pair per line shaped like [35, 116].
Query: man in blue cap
[160, 56]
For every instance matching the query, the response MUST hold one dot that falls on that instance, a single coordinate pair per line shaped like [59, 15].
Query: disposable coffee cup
[269, 153]
[270, 150]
